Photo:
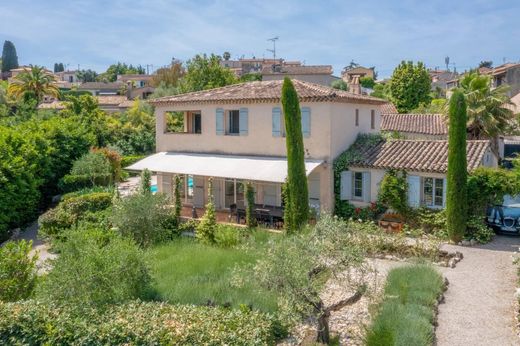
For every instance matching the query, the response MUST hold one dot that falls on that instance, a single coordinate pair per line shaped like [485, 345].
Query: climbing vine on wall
[342, 162]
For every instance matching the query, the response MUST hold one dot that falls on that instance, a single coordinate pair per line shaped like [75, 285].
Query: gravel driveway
[479, 306]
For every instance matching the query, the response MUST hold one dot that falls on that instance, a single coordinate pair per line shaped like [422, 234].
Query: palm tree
[489, 109]
[34, 82]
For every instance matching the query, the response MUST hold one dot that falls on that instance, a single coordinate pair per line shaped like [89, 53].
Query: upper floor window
[183, 122]
[278, 126]
[233, 124]
[357, 117]
[372, 119]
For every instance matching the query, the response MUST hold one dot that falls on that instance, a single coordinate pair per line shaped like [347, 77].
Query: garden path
[39, 247]
[480, 304]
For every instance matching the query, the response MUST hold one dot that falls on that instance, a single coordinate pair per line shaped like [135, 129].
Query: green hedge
[70, 210]
[77, 182]
[130, 159]
[136, 323]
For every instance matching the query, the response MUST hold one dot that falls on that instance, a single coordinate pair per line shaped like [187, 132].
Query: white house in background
[236, 133]
[424, 160]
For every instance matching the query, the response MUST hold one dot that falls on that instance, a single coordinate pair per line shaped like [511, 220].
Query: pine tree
[298, 194]
[456, 197]
[9, 57]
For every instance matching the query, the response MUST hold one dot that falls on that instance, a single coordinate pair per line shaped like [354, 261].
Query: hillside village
[256, 201]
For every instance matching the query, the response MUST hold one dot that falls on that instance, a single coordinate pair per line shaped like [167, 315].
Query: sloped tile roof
[112, 100]
[265, 92]
[388, 108]
[304, 69]
[417, 155]
[427, 124]
[100, 85]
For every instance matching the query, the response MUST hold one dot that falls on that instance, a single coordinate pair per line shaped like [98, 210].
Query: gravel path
[40, 247]
[479, 306]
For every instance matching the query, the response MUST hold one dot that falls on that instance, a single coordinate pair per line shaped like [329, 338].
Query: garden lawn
[188, 272]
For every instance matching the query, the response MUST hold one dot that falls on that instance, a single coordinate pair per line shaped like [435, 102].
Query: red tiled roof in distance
[427, 124]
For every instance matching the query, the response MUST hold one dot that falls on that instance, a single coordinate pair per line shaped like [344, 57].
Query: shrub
[71, 210]
[92, 165]
[478, 230]
[406, 315]
[95, 268]
[145, 184]
[77, 182]
[114, 158]
[128, 160]
[142, 217]
[207, 226]
[228, 236]
[393, 191]
[134, 323]
[17, 271]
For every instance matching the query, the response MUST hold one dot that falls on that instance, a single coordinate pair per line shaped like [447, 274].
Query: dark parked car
[505, 218]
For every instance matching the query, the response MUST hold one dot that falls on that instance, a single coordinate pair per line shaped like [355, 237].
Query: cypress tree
[250, 198]
[177, 199]
[146, 182]
[298, 194]
[9, 57]
[456, 201]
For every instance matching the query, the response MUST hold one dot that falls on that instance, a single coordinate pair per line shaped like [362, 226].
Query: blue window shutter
[414, 190]
[306, 121]
[444, 188]
[277, 122]
[243, 123]
[346, 185]
[219, 116]
[366, 187]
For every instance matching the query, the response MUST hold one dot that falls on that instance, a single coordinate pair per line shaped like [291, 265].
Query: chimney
[354, 86]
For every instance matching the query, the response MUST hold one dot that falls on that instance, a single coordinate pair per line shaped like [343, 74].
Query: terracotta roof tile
[388, 108]
[112, 100]
[265, 91]
[417, 155]
[427, 124]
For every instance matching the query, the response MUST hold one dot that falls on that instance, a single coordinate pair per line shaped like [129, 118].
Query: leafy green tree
[110, 75]
[437, 106]
[339, 84]
[35, 82]
[251, 77]
[410, 86]
[164, 90]
[382, 91]
[85, 76]
[486, 63]
[297, 267]
[250, 198]
[367, 82]
[9, 57]
[94, 269]
[298, 193]
[92, 165]
[489, 109]
[226, 56]
[18, 272]
[393, 191]
[207, 227]
[456, 197]
[142, 217]
[205, 72]
[169, 76]
[134, 131]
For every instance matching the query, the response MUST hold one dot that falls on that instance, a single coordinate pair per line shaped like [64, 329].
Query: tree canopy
[169, 76]
[35, 82]
[87, 75]
[110, 75]
[205, 72]
[9, 57]
[410, 86]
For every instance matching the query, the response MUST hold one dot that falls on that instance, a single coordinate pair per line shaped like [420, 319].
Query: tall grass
[188, 272]
[406, 315]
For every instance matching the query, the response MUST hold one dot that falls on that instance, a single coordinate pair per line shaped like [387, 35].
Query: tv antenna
[274, 39]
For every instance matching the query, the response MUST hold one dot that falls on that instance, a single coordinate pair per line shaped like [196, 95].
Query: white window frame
[355, 176]
[437, 184]
[227, 120]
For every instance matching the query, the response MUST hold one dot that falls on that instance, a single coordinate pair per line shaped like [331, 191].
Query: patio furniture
[391, 223]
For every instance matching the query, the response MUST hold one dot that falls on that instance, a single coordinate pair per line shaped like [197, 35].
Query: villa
[236, 133]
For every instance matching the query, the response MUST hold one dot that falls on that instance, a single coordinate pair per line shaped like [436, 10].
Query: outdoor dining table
[271, 211]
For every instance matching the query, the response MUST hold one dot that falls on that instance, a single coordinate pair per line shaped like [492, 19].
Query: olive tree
[298, 266]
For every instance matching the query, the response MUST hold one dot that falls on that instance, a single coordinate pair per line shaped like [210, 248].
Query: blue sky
[95, 33]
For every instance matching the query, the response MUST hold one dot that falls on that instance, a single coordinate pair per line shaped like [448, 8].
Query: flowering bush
[134, 323]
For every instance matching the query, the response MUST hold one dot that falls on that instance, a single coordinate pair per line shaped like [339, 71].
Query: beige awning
[258, 168]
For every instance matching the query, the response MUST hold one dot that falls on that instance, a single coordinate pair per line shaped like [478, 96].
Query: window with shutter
[306, 121]
[414, 190]
[366, 187]
[372, 119]
[243, 124]
[346, 185]
[357, 117]
[277, 122]
[219, 116]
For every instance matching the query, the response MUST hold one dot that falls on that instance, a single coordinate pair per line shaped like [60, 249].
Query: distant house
[107, 103]
[255, 65]
[318, 74]
[135, 80]
[360, 71]
[102, 88]
[441, 78]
